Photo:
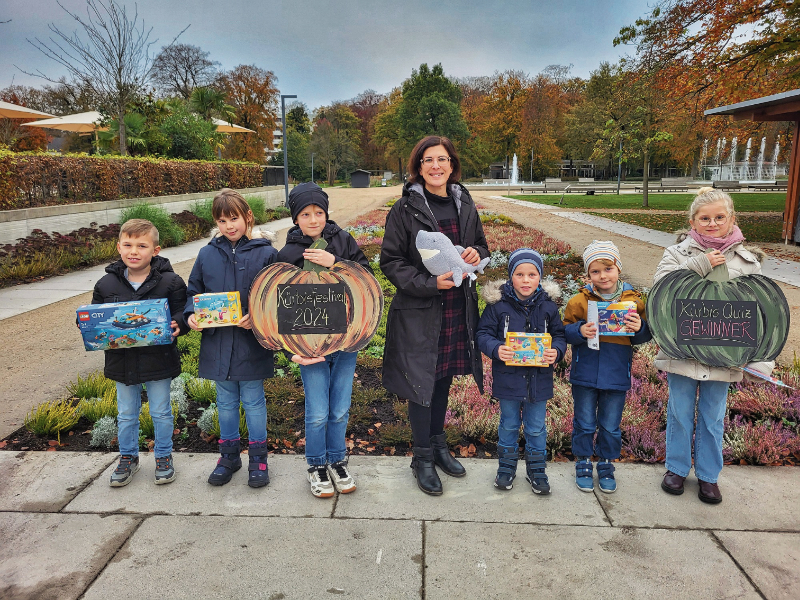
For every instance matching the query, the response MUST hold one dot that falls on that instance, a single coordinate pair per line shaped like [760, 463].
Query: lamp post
[619, 166]
[285, 146]
[312, 166]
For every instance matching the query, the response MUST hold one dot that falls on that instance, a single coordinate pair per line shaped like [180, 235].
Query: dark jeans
[600, 411]
[427, 421]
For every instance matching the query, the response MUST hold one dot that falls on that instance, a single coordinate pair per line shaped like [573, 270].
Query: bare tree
[114, 61]
[180, 68]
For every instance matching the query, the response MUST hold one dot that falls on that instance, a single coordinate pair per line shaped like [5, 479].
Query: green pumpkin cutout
[718, 321]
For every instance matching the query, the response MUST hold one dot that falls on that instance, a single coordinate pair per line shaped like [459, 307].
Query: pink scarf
[718, 243]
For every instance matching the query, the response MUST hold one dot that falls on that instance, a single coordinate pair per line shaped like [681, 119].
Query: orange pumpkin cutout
[363, 304]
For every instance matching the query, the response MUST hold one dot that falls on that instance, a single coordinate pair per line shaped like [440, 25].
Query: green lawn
[744, 201]
[760, 228]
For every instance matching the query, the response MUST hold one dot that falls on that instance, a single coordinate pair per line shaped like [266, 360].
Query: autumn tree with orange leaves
[253, 93]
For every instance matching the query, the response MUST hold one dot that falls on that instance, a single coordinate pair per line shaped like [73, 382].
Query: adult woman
[713, 240]
[430, 332]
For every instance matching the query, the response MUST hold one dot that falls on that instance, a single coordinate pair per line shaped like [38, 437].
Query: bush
[202, 209]
[202, 391]
[94, 409]
[104, 432]
[209, 422]
[169, 232]
[95, 385]
[52, 417]
[259, 209]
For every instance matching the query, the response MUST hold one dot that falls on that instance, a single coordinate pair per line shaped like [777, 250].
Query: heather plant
[645, 443]
[513, 236]
[761, 443]
[104, 432]
[560, 412]
[169, 231]
[94, 409]
[488, 216]
[758, 401]
[189, 344]
[202, 391]
[209, 422]
[52, 417]
[473, 413]
[94, 385]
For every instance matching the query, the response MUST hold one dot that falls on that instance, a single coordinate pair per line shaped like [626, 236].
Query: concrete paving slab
[287, 495]
[640, 501]
[387, 489]
[516, 561]
[55, 556]
[772, 560]
[46, 481]
[227, 557]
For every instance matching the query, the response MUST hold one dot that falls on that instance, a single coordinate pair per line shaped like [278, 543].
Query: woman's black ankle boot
[425, 471]
[443, 459]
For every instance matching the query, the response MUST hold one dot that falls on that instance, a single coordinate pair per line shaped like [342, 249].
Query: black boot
[507, 469]
[535, 473]
[228, 463]
[425, 471]
[258, 473]
[443, 459]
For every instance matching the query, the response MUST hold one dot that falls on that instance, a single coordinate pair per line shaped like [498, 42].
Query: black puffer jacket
[415, 316]
[151, 363]
[340, 243]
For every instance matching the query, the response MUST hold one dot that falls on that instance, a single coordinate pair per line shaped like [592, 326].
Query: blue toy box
[125, 324]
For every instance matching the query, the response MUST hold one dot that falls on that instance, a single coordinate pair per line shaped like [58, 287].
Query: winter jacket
[505, 313]
[131, 366]
[415, 316]
[340, 243]
[688, 254]
[231, 353]
[608, 368]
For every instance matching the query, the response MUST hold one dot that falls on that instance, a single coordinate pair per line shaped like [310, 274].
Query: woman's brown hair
[415, 162]
[230, 203]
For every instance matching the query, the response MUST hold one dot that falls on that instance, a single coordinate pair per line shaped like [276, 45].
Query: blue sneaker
[583, 474]
[605, 476]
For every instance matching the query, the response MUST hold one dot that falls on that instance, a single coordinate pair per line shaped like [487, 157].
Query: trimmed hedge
[29, 179]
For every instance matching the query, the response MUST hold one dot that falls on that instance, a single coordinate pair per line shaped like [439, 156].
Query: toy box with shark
[125, 324]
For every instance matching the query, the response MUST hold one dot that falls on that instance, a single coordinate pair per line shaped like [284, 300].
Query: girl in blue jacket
[231, 356]
[521, 304]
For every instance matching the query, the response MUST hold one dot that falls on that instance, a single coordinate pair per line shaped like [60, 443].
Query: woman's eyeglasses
[706, 221]
[440, 160]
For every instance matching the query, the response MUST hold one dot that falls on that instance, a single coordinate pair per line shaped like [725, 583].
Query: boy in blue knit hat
[522, 304]
[600, 378]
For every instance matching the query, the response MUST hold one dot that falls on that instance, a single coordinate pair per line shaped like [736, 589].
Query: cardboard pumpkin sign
[315, 311]
[718, 321]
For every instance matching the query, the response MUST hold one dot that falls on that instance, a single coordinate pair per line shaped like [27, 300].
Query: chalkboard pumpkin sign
[718, 321]
[315, 311]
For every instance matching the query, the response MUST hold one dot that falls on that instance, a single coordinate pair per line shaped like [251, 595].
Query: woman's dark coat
[231, 353]
[415, 316]
[523, 384]
[147, 363]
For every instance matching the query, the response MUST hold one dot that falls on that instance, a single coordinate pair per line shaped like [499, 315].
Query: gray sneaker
[165, 472]
[122, 475]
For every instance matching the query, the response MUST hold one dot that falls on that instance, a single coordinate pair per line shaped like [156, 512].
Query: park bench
[733, 186]
[532, 189]
[668, 184]
[773, 186]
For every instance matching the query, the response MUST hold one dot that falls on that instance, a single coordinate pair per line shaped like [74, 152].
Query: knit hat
[525, 255]
[598, 249]
[304, 195]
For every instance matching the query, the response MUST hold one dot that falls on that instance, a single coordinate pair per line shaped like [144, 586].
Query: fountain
[760, 159]
[514, 175]
[733, 176]
[775, 154]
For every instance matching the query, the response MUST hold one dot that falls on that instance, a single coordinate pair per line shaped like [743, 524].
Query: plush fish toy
[440, 256]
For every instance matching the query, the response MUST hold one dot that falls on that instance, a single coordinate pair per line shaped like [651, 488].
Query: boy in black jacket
[142, 275]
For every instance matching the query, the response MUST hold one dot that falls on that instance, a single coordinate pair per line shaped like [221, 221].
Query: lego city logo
[84, 316]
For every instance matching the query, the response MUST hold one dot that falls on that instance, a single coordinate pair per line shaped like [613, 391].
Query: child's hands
[715, 257]
[245, 322]
[633, 322]
[471, 256]
[320, 257]
[176, 330]
[192, 322]
[307, 360]
[588, 330]
[505, 353]
[550, 355]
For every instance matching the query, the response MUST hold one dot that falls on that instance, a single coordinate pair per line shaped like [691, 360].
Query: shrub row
[29, 179]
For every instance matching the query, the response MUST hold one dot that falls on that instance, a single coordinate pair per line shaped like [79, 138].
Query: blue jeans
[711, 404]
[597, 411]
[129, 405]
[251, 396]
[514, 413]
[328, 387]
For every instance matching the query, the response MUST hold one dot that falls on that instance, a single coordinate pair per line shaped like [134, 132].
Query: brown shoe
[709, 492]
[672, 483]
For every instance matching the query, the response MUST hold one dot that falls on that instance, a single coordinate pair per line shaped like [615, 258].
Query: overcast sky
[326, 50]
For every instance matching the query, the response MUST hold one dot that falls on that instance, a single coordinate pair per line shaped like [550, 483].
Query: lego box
[217, 310]
[125, 324]
[611, 317]
[528, 348]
